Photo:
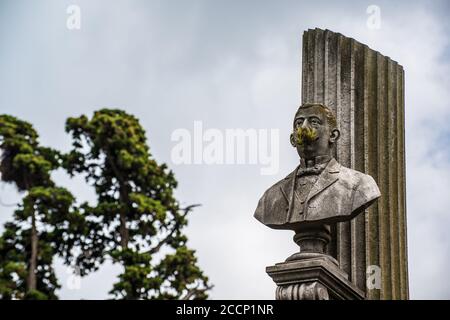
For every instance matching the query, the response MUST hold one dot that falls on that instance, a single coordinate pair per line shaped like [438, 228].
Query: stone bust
[319, 190]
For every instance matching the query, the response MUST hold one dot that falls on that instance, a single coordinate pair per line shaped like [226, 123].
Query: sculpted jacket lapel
[288, 189]
[328, 176]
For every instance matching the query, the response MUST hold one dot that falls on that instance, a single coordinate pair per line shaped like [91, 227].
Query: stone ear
[334, 136]
[292, 139]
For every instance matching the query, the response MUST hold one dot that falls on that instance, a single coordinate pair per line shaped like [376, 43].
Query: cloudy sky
[228, 64]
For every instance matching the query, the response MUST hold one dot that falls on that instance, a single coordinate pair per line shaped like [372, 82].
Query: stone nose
[305, 124]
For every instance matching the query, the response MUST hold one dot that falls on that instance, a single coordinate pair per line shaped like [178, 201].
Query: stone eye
[299, 122]
[315, 121]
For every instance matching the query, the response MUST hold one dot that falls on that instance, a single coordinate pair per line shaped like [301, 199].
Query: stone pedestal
[312, 274]
[315, 278]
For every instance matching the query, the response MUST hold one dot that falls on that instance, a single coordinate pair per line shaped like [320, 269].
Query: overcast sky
[229, 64]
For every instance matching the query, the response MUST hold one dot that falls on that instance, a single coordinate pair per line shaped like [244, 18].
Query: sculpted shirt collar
[313, 166]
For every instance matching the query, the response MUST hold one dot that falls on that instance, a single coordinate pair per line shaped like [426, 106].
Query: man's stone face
[311, 132]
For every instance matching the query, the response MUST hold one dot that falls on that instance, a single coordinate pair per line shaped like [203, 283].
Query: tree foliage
[140, 220]
[42, 224]
[136, 221]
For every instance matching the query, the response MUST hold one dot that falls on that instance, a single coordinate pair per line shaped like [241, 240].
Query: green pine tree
[43, 225]
[138, 221]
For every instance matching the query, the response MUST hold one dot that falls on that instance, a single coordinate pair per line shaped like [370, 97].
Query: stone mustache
[319, 191]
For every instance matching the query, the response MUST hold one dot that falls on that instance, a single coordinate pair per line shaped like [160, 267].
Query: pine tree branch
[195, 291]
[171, 233]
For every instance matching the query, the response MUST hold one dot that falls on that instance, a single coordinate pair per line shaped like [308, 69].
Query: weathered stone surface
[366, 91]
[319, 192]
[302, 291]
[316, 278]
[338, 194]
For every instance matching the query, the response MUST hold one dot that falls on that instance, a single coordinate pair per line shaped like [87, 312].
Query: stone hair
[331, 118]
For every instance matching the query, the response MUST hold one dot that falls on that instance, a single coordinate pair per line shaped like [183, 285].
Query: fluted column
[366, 91]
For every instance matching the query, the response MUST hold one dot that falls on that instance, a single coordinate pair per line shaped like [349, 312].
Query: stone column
[366, 91]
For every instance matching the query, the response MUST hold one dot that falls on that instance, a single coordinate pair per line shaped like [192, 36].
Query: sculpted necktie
[309, 171]
[314, 170]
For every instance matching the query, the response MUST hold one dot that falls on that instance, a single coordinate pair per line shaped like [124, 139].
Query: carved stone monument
[348, 129]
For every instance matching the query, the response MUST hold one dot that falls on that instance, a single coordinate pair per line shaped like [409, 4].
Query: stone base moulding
[316, 278]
